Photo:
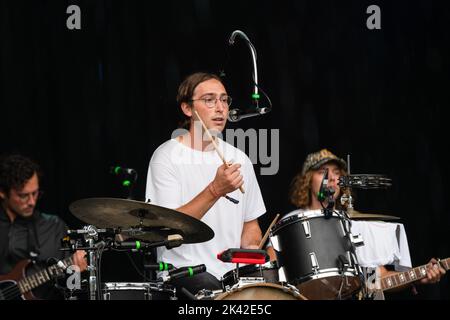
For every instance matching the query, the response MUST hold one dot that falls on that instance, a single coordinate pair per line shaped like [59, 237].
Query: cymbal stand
[91, 236]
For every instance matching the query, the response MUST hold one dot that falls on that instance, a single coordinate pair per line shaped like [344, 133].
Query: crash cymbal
[156, 222]
[356, 215]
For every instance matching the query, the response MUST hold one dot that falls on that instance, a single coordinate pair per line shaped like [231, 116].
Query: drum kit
[110, 221]
[315, 251]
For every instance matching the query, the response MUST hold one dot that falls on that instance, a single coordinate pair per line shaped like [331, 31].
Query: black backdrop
[79, 101]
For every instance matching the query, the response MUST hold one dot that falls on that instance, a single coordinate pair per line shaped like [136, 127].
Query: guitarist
[25, 232]
[303, 194]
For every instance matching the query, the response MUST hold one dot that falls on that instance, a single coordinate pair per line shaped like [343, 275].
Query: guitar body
[8, 283]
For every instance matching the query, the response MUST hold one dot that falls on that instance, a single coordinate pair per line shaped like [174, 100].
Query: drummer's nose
[332, 176]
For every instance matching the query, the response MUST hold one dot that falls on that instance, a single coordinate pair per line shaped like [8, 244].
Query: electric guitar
[16, 285]
[402, 278]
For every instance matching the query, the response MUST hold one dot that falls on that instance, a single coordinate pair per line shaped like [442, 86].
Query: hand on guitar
[434, 272]
[79, 259]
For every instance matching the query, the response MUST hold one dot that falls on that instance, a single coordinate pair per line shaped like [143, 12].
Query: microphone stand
[328, 211]
[130, 185]
[326, 193]
[255, 95]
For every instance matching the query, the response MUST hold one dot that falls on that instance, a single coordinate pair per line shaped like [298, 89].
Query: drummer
[185, 173]
[304, 193]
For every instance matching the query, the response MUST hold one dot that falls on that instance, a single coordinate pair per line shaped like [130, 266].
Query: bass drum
[316, 254]
[261, 291]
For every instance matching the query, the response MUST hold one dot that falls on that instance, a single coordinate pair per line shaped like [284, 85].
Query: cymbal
[156, 222]
[356, 215]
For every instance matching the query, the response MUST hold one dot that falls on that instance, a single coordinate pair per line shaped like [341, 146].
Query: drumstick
[215, 145]
[263, 240]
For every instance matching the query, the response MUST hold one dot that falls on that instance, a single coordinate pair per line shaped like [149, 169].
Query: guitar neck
[35, 280]
[414, 274]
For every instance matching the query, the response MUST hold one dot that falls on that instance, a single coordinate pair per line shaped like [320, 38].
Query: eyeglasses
[210, 101]
[25, 197]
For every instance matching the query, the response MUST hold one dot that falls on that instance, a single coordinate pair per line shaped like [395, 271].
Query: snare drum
[137, 291]
[316, 254]
[267, 272]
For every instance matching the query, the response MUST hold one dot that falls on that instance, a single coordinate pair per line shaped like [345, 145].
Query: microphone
[183, 272]
[173, 241]
[235, 115]
[128, 177]
[161, 266]
[325, 191]
[118, 170]
[133, 245]
[321, 195]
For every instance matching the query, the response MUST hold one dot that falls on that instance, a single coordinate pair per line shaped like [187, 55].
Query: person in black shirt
[25, 232]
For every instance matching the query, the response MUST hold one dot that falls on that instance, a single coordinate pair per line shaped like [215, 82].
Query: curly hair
[300, 191]
[15, 171]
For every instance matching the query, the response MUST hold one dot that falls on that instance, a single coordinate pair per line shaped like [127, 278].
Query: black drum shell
[328, 240]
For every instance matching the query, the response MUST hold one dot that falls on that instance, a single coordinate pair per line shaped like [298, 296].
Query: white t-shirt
[385, 243]
[177, 174]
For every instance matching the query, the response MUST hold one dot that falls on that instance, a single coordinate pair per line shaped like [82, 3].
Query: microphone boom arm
[255, 95]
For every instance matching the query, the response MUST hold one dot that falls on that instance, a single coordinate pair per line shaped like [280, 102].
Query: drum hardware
[137, 291]
[267, 272]
[91, 235]
[365, 181]
[157, 221]
[206, 294]
[182, 273]
[253, 291]
[362, 181]
[311, 260]
[261, 291]
[347, 200]
[314, 264]
[356, 215]
[357, 240]
[307, 229]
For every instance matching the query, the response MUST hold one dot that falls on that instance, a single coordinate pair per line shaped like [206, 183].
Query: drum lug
[343, 227]
[314, 262]
[282, 275]
[307, 229]
[275, 243]
[356, 240]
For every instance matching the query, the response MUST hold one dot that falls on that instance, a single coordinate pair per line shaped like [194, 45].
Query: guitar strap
[33, 240]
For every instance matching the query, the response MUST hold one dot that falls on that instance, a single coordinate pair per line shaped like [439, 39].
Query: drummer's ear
[2, 195]
[187, 109]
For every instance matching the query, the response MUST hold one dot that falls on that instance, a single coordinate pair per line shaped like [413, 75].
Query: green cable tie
[166, 266]
[116, 170]
[191, 272]
[138, 245]
[255, 96]
[126, 183]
